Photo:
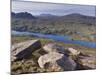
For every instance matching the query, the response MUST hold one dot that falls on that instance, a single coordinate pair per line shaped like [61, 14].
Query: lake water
[65, 39]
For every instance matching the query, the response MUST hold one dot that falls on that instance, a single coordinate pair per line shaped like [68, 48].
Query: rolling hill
[79, 26]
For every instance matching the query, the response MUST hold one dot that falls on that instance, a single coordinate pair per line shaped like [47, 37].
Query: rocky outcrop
[56, 59]
[83, 61]
[56, 62]
[24, 49]
[49, 58]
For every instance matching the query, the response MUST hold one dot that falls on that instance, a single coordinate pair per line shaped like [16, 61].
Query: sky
[37, 8]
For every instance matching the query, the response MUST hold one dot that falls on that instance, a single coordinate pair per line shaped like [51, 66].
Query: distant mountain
[78, 16]
[75, 17]
[13, 14]
[72, 18]
[46, 15]
[24, 15]
[76, 25]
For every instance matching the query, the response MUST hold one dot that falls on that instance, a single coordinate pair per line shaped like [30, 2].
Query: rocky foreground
[31, 57]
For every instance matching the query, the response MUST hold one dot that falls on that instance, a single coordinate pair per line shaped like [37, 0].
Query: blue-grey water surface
[64, 39]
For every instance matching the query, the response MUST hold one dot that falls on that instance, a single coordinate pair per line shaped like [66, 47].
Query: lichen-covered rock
[56, 62]
[73, 51]
[51, 47]
[24, 49]
[88, 62]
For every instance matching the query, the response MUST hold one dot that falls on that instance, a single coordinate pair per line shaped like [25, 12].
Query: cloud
[37, 8]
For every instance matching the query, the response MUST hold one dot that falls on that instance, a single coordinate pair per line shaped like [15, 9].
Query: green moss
[16, 66]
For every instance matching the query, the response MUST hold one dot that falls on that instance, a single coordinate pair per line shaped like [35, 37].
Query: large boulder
[56, 62]
[24, 49]
[52, 47]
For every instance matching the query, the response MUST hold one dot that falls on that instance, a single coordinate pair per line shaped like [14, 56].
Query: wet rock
[56, 62]
[24, 49]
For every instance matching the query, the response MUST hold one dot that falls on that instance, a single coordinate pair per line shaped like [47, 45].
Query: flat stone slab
[24, 49]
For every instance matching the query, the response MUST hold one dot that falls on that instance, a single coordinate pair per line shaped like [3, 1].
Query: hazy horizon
[37, 8]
